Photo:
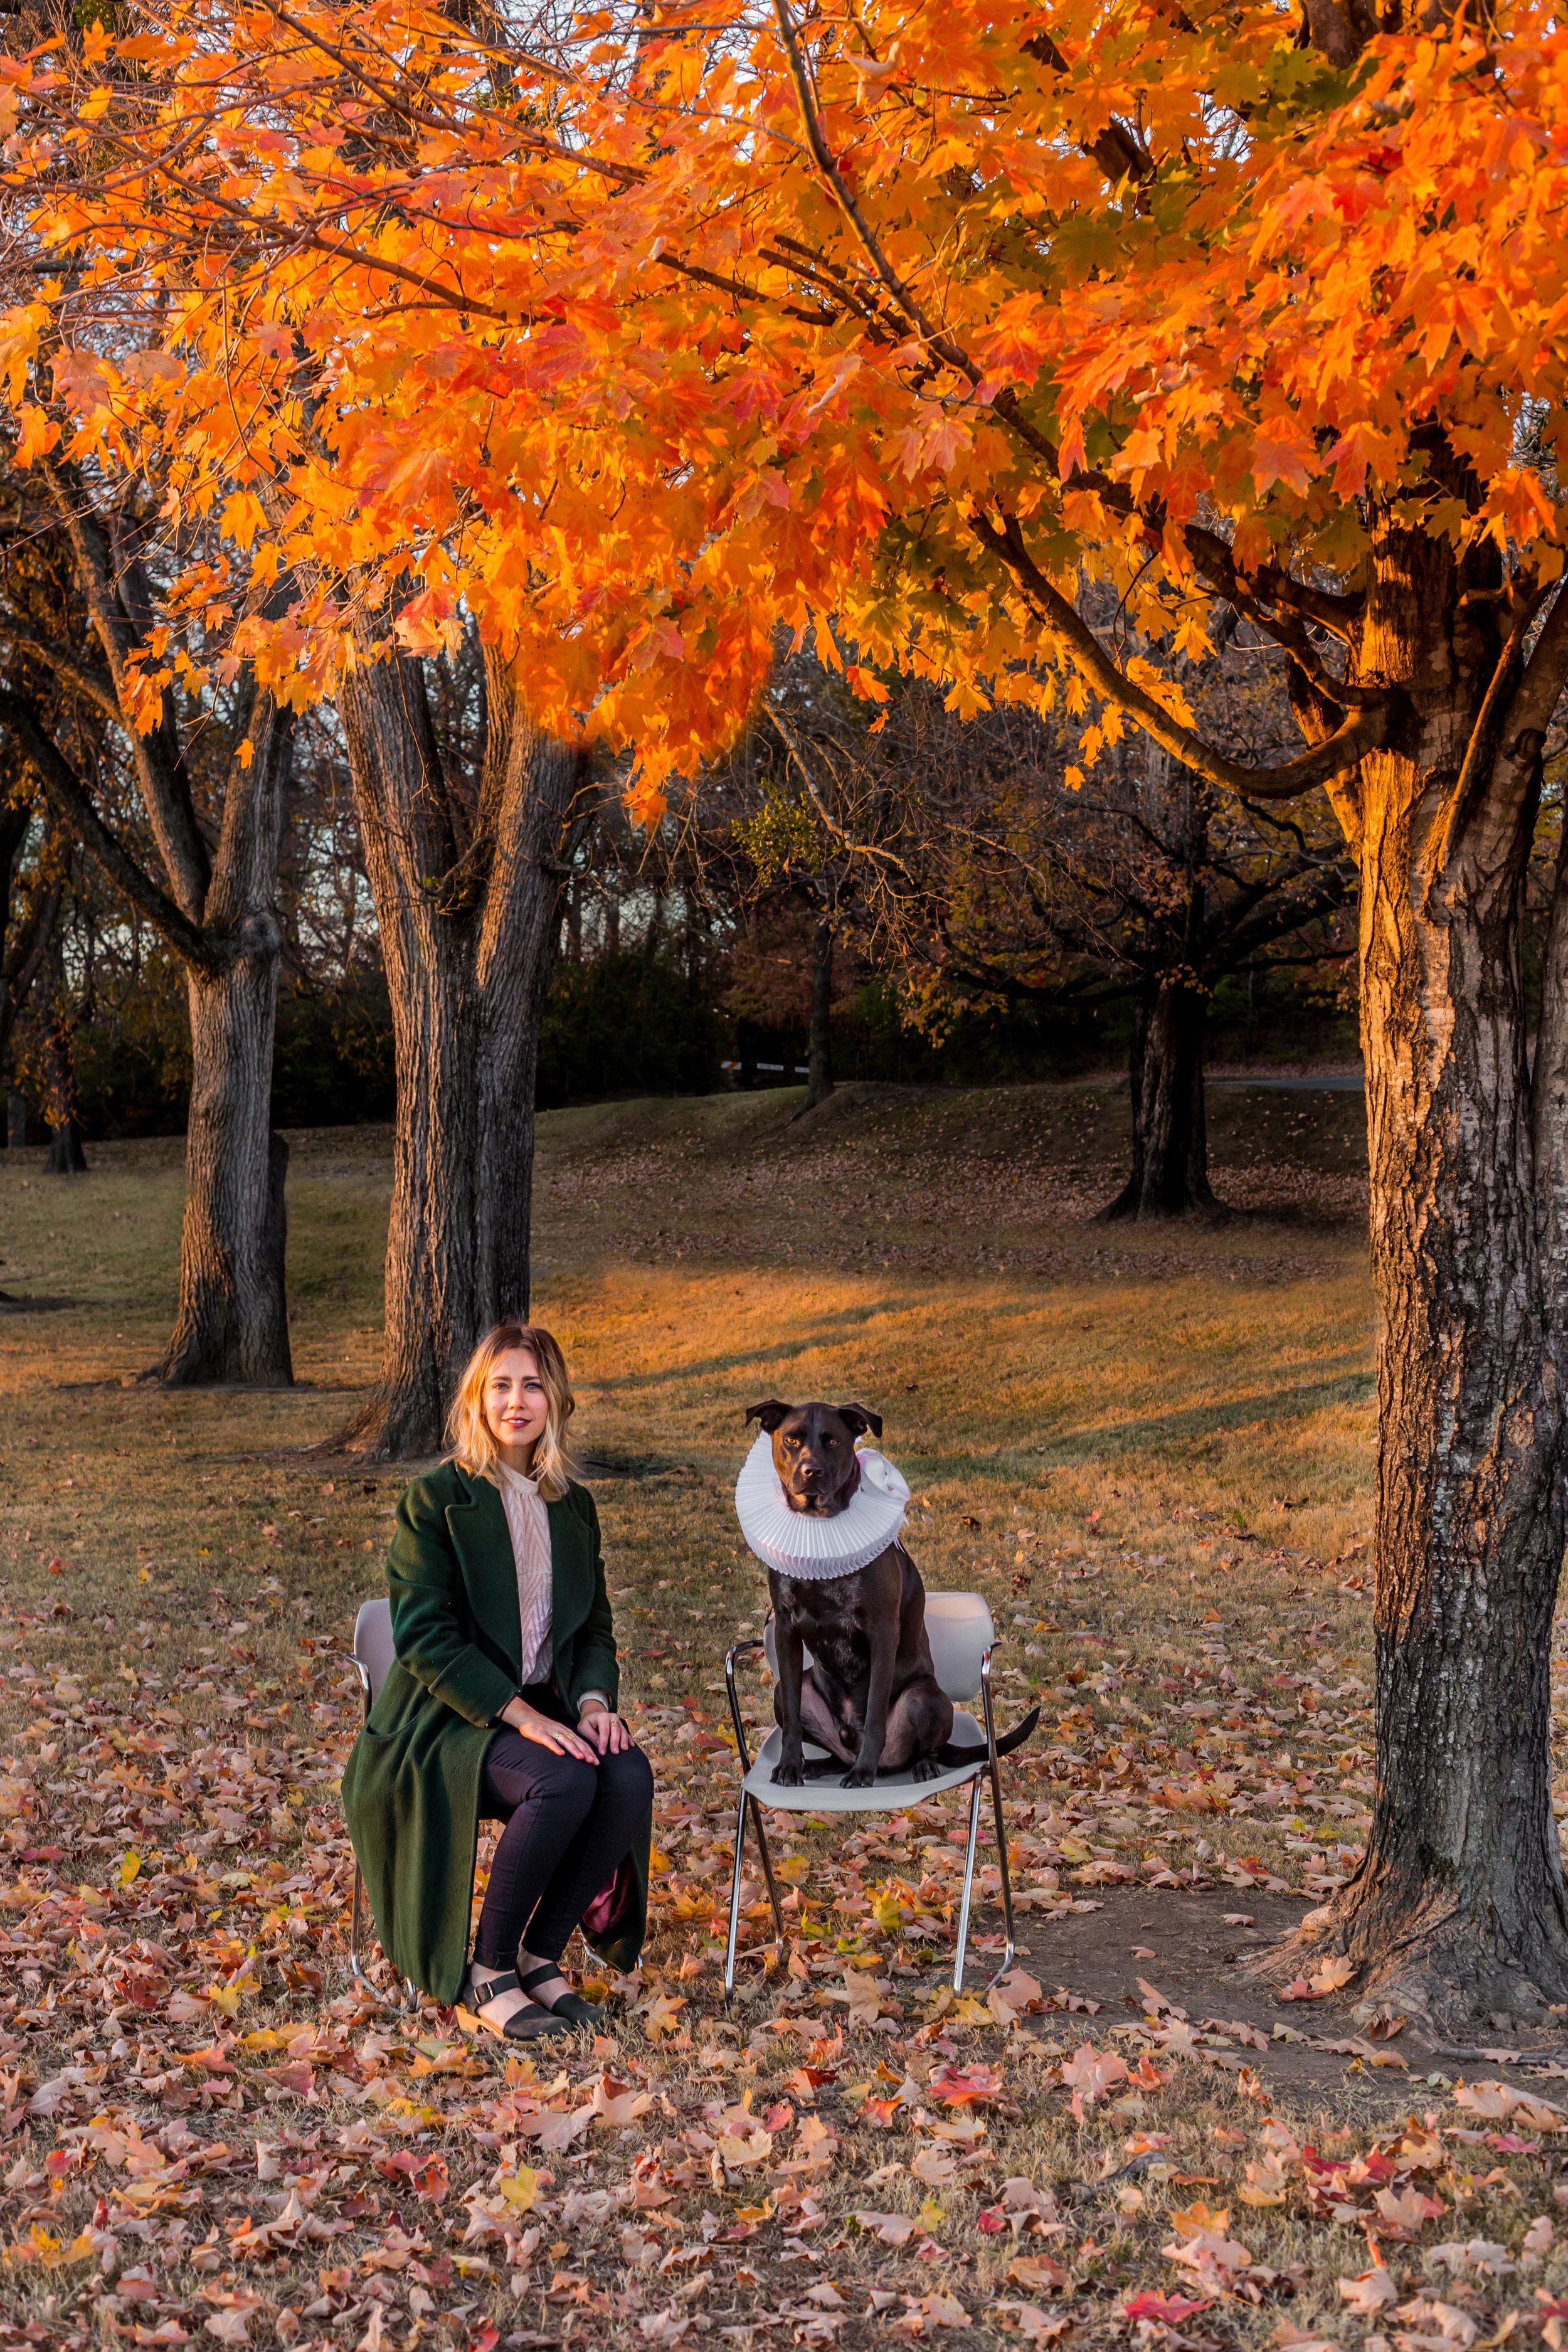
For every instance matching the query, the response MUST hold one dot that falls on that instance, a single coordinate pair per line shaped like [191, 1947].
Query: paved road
[1338, 1083]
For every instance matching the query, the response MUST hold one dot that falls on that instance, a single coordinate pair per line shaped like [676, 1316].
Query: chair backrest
[373, 1644]
[959, 1629]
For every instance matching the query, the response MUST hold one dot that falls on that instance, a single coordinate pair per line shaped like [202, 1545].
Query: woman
[501, 1706]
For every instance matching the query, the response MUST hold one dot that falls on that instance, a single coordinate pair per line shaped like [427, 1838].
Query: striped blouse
[528, 1521]
[528, 1524]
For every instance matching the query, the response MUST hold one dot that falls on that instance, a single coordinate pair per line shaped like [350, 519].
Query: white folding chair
[962, 1637]
[373, 1655]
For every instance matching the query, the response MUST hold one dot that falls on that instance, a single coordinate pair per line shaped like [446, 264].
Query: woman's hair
[473, 1443]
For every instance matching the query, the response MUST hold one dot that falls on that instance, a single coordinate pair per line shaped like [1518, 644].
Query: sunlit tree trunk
[1459, 1903]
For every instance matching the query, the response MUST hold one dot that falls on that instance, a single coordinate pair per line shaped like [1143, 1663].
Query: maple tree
[468, 834]
[175, 787]
[639, 341]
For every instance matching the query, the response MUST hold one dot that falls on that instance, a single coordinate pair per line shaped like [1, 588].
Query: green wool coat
[411, 1791]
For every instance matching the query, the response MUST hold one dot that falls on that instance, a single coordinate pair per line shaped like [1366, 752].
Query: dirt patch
[1194, 1950]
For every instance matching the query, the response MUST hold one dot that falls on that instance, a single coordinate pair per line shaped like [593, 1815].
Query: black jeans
[569, 1825]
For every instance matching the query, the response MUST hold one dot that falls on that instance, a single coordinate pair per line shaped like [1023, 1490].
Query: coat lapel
[571, 1574]
[482, 1541]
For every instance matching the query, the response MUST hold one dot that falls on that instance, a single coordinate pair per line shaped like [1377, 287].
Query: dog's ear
[770, 1412]
[856, 1417]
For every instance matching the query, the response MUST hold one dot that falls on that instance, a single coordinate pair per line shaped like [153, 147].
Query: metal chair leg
[996, 1773]
[968, 1884]
[768, 1873]
[730, 1954]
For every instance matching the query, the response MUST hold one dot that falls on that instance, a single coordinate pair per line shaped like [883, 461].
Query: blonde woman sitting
[501, 1706]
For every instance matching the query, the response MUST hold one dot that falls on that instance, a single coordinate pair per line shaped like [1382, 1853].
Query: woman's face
[515, 1402]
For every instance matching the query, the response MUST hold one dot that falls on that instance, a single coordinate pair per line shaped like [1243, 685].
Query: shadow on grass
[822, 1331]
[1151, 1430]
[1147, 1434]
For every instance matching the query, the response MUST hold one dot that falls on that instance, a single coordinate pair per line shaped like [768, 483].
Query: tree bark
[1458, 1905]
[1170, 1176]
[819, 1048]
[231, 1325]
[468, 900]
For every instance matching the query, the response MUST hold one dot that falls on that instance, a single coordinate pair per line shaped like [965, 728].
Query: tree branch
[95, 684]
[1115, 149]
[1344, 750]
[160, 764]
[70, 797]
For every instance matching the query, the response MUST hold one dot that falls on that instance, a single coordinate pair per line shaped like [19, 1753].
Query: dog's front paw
[925, 1767]
[860, 1775]
[789, 1772]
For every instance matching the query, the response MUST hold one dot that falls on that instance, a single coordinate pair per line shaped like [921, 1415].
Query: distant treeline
[637, 1021]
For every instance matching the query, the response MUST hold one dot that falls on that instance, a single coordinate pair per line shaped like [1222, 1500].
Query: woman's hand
[529, 1724]
[604, 1727]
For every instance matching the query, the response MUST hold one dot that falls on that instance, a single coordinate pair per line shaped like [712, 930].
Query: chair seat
[888, 1792]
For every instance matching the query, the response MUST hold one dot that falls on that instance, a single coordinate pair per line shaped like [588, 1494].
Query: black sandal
[535, 2023]
[571, 2006]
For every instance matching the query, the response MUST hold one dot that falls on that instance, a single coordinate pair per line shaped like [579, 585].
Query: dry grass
[1153, 1451]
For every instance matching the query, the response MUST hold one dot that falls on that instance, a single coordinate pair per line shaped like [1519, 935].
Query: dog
[871, 1697]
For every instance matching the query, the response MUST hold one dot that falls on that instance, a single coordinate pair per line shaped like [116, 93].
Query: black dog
[871, 1697]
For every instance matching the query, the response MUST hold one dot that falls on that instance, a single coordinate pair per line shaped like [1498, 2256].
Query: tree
[791, 825]
[207, 793]
[957, 853]
[901, 326]
[467, 836]
[1142, 882]
[23, 954]
[36, 970]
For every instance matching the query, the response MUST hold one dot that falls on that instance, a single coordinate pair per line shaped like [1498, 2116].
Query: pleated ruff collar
[800, 1544]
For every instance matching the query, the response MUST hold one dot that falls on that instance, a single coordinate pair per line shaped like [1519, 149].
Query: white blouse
[528, 1524]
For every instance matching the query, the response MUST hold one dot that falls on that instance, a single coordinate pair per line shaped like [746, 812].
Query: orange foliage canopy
[650, 336]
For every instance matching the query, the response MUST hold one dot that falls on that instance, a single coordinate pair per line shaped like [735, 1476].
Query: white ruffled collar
[798, 1543]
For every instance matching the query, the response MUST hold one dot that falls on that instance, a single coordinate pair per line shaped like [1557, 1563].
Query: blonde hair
[473, 1443]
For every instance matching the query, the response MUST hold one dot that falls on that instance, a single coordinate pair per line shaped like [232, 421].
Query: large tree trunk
[1170, 1176]
[232, 1322]
[1459, 1906]
[469, 956]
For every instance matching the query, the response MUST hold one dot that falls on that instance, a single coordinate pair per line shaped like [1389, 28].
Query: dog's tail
[950, 1753]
